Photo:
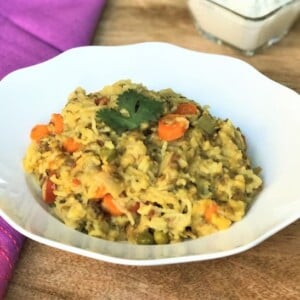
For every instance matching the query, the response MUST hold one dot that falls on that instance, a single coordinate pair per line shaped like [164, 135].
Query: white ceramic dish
[267, 112]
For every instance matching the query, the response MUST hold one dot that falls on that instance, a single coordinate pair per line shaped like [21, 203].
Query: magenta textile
[32, 31]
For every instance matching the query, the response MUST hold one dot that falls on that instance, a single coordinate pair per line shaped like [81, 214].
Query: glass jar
[248, 25]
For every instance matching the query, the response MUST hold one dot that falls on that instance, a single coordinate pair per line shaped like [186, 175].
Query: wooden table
[269, 271]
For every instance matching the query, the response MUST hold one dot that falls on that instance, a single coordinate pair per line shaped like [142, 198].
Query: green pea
[108, 154]
[145, 238]
[161, 237]
[105, 227]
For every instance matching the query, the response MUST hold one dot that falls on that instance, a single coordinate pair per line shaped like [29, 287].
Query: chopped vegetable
[172, 127]
[186, 108]
[71, 145]
[57, 122]
[140, 108]
[145, 238]
[108, 154]
[211, 209]
[161, 237]
[207, 124]
[109, 205]
[101, 101]
[38, 132]
[48, 189]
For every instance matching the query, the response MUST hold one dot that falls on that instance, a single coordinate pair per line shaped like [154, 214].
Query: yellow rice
[163, 189]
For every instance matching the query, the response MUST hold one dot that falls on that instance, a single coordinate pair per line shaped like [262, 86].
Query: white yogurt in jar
[248, 24]
[253, 8]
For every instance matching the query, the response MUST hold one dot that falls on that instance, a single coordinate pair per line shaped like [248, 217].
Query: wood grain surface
[271, 270]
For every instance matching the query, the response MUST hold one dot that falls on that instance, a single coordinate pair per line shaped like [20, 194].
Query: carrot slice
[211, 209]
[109, 205]
[172, 127]
[186, 108]
[71, 145]
[58, 123]
[39, 131]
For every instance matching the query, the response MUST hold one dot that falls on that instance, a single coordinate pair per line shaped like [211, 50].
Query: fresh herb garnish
[140, 109]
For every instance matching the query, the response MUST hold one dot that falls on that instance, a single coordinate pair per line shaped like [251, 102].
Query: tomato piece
[186, 108]
[48, 189]
[102, 101]
[134, 208]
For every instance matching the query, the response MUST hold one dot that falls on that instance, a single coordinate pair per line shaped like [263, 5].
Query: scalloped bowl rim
[162, 57]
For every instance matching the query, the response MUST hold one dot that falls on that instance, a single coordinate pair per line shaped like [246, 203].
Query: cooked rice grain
[165, 191]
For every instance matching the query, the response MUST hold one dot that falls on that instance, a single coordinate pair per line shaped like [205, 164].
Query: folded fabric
[10, 246]
[31, 32]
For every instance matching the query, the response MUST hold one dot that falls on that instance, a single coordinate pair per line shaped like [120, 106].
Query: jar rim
[252, 9]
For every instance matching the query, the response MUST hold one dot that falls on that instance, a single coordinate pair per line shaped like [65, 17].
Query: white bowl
[267, 113]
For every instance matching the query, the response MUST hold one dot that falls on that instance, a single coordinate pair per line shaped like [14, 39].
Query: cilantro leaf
[139, 107]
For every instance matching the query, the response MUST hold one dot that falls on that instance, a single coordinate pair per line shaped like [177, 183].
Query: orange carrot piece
[172, 127]
[39, 131]
[109, 205]
[186, 108]
[211, 209]
[58, 123]
[70, 145]
[76, 181]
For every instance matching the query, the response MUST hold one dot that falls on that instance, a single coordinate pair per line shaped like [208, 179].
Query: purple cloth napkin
[10, 246]
[32, 31]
